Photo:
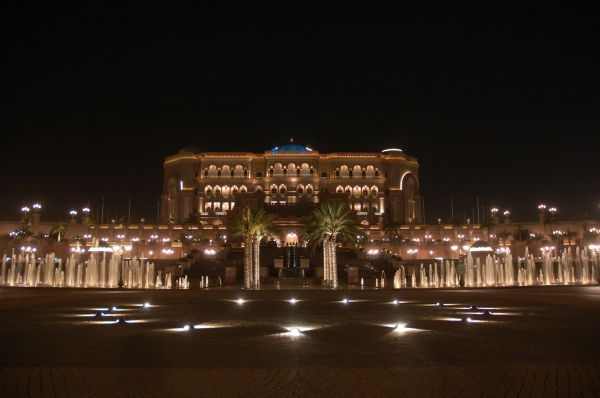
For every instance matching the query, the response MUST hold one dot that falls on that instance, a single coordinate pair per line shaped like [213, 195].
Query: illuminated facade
[381, 187]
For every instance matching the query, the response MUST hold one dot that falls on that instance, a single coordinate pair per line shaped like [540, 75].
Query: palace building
[381, 187]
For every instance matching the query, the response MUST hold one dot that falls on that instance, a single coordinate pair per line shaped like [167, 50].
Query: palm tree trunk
[334, 276]
[325, 263]
[256, 261]
[248, 262]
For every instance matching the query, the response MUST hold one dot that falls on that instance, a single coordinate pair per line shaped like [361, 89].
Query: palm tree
[239, 227]
[58, 229]
[329, 222]
[262, 225]
[251, 225]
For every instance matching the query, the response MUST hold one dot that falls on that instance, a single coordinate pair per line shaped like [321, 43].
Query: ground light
[293, 301]
[295, 332]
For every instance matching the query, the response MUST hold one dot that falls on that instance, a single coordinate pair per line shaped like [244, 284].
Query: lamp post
[542, 216]
[25, 210]
[73, 214]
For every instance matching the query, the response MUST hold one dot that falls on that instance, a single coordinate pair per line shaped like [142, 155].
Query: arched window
[344, 172]
[304, 169]
[298, 171]
[284, 171]
[309, 190]
[365, 192]
[370, 171]
[243, 189]
[339, 189]
[212, 170]
[208, 191]
[356, 191]
[312, 171]
[376, 172]
[225, 191]
[217, 192]
[282, 190]
[337, 173]
[374, 191]
[226, 171]
[278, 169]
[234, 191]
[356, 170]
[273, 190]
[205, 172]
[258, 189]
[245, 173]
[364, 174]
[219, 173]
[300, 190]
[238, 171]
[348, 190]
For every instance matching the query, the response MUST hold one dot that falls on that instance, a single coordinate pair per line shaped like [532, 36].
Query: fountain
[98, 268]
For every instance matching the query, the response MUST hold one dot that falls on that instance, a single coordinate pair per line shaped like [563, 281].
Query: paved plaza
[498, 342]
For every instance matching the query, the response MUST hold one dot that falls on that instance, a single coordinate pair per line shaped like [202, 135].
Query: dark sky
[500, 104]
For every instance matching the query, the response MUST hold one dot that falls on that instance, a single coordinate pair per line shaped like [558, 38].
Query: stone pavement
[519, 342]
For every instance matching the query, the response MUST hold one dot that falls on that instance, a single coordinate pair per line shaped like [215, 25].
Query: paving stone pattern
[535, 342]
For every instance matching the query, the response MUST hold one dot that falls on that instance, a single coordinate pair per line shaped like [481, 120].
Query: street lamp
[506, 215]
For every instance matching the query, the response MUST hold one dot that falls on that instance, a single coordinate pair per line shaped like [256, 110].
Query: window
[374, 191]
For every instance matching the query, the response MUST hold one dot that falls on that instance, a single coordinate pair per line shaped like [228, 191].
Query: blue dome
[291, 147]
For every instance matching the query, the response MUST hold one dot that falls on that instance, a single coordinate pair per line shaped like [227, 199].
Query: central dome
[291, 147]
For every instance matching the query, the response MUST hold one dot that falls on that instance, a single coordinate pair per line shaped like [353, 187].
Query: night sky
[500, 105]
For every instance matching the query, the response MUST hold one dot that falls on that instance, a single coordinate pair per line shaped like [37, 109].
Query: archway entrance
[291, 250]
